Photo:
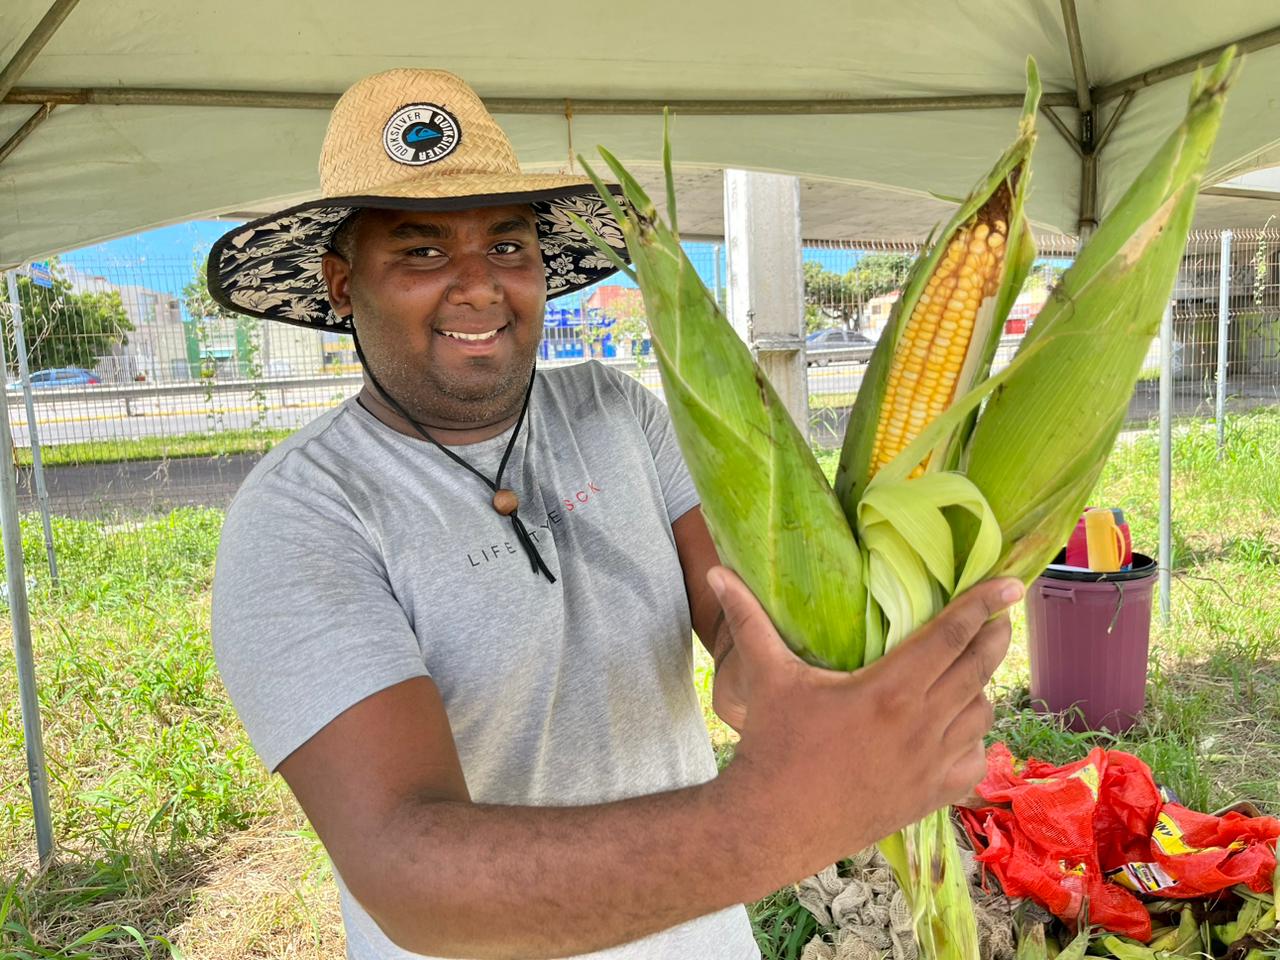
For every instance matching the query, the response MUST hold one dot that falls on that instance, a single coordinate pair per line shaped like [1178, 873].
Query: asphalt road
[137, 488]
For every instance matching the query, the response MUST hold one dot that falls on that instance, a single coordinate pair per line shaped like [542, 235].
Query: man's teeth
[469, 336]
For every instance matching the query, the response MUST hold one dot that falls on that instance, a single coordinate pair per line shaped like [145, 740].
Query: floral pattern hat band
[409, 140]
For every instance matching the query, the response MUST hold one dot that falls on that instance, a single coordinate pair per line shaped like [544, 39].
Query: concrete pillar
[766, 280]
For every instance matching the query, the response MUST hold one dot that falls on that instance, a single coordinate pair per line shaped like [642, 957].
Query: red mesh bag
[1099, 829]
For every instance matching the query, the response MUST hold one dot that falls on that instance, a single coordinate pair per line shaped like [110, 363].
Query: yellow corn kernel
[936, 339]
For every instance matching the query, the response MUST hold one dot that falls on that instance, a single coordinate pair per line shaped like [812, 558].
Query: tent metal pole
[1184, 65]
[1238, 194]
[1084, 99]
[31, 47]
[21, 616]
[1115, 118]
[1088, 142]
[24, 131]
[1062, 128]
[554, 106]
[1166, 465]
[33, 433]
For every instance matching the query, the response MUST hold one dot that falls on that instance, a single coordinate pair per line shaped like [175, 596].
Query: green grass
[220, 444]
[170, 832]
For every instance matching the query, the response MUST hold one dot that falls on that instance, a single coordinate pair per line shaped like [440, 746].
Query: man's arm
[698, 555]
[441, 875]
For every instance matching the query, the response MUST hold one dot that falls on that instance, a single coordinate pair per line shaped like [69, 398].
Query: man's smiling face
[448, 307]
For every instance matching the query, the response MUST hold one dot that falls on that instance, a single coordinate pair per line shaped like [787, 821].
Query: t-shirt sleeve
[305, 624]
[677, 486]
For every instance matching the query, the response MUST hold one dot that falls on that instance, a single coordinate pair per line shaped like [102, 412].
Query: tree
[833, 299]
[1044, 275]
[209, 317]
[631, 323]
[196, 297]
[63, 328]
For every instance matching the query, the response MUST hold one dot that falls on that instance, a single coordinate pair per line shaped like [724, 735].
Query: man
[455, 613]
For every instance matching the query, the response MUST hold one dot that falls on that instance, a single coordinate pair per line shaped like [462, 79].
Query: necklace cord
[523, 536]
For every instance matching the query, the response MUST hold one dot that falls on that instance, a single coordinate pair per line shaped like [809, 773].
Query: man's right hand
[830, 762]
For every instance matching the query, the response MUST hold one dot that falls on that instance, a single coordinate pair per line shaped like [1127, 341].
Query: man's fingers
[967, 772]
[945, 638]
[970, 725]
[754, 636]
[973, 669]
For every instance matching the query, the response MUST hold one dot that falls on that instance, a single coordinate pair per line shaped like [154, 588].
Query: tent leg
[33, 433]
[21, 616]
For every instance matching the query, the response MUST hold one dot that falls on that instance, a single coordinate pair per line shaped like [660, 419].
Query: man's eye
[507, 246]
[423, 252]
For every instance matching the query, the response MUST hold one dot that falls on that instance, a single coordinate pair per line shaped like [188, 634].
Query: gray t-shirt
[354, 558]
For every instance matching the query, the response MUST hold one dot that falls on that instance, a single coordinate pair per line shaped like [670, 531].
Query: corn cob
[928, 364]
[945, 327]
[923, 531]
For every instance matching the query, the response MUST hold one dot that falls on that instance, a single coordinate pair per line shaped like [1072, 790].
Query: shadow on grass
[1250, 548]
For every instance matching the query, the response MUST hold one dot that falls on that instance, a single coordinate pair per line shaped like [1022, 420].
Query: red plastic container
[1088, 636]
[1078, 549]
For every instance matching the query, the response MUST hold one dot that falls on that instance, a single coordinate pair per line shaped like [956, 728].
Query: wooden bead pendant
[505, 502]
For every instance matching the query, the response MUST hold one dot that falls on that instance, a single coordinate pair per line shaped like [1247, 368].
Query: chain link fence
[851, 288]
[141, 394]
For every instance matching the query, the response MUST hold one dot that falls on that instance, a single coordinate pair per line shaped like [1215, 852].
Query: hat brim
[270, 267]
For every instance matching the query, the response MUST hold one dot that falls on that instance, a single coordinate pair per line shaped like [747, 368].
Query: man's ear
[337, 277]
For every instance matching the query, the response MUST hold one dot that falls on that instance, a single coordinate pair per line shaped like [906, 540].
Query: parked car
[820, 344]
[58, 377]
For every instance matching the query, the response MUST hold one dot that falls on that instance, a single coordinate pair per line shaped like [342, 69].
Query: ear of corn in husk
[944, 329]
[935, 500]
[938, 344]
[1044, 435]
[767, 504]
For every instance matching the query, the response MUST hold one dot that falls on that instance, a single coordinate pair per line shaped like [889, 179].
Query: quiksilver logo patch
[421, 133]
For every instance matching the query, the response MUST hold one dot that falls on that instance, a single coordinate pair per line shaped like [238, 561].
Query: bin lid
[1142, 567]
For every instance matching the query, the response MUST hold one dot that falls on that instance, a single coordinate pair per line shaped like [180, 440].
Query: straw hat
[410, 140]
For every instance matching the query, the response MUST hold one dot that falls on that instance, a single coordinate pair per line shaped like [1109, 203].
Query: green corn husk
[1044, 436]
[767, 504]
[774, 518]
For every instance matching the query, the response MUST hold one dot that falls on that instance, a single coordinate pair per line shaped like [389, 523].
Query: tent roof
[816, 90]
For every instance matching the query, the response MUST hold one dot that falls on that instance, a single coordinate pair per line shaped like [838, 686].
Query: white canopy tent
[119, 116]
[115, 117]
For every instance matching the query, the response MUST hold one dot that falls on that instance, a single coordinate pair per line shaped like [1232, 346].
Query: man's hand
[893, 741]
[728, 696]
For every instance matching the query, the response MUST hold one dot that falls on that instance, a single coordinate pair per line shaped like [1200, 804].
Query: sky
[159, 259]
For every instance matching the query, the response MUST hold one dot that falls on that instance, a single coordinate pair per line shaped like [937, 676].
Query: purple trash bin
[1088, 634]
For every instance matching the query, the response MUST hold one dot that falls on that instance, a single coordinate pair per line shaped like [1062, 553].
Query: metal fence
[141, 394]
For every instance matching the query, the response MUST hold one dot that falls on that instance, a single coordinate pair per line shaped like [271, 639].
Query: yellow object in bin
[1104, 541]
